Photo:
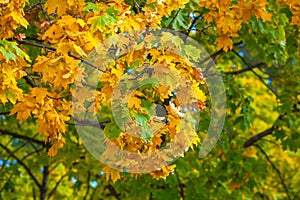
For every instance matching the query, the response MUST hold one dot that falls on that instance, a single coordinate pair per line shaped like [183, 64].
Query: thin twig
[86, 62]
[174, 18]
[257, 75]
[31, 81]
[263, 82]
[59, 181]
[214, 55]
[276, 169]
[8, 180]
[31, 153]
[33, 6]
[22, 164]
[138, 7]
[30, 139]
[48, 48]
[52, 49]
[45, 13]
[88, 123]
[56, 185]
[23, 145]
[249, 68]
[271, 142]
[181, 187]
[88, 185]
[229, 132]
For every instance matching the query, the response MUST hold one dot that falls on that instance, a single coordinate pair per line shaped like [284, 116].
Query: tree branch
[48, 48]
[7, 180]
[276, 169]
[31, 81]
[52, 49]
[93, 193]
[193, 24]
[214, 55]
[22, 164]
[5, 113]
[89, 123]
[263, 82]
[31, 153]
[33, 193]
[88, 185]
[174, 18]
[33, 6]
[181, 187]
[257, 75]
[138, 7]
[56, 185]
[43, 188]
[112, 190]
[45, 13]
[30, 139]
[257, 137]
[249, 68]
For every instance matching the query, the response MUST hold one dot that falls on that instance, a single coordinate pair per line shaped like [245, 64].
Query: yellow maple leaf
[163, 92]
[61, 6]
[224, 42]
[266, 16]
[40, 94]
[199, 93]
[112, 174]
[59, 143]
[19, 19]
[22, 111]
[163, 172]
[134, 102]
[195, 142]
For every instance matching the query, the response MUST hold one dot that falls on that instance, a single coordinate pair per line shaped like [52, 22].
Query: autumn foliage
[46, 45]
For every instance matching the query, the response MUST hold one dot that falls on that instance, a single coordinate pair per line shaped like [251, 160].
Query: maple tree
[51, 54]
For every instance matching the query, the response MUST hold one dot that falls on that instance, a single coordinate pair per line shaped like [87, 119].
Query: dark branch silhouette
[257, 75]
[276, 169]
[43, 188]
[181, 187]
[16, 135]
[59, 181]
[257, 137]
[52, 49]
[249, 68]
[112, 190]
[193, 24]
[23, 164]
[88, 185]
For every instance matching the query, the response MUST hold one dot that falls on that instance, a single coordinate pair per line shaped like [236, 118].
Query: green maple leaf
[106, 20]
[9, 55]
[112, 130]
[141, 119]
